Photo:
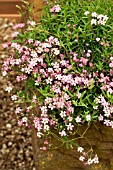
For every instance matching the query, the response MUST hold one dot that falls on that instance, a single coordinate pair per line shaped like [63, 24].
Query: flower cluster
[97, 19]
[83, 158]
[66, 66]
[55, 8]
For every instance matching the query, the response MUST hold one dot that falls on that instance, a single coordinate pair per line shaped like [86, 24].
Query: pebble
[6, 37]
[8, 126]
[15, 142]
[4, 146]
[9, 143]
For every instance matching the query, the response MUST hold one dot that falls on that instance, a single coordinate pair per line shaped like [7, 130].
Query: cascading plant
[65, 64]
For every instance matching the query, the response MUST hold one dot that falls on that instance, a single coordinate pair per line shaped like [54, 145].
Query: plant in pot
[65, 65]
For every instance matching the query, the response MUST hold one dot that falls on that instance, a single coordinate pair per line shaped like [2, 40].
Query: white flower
[56, 51]
[95, 159]
[95, 107]
[88, 117]
[39, 134]
[80, 149]
[94, 14]
[57, 8]
[90, 161]
[32, 23]
[111, 124]
[70, 119]
[46, 127]
[8, 89]
[45, 120]
[93, 21]
[89, 51]
[86, 13]
[105, 18]
[101, 22]
[70, 126]
[82, 158]
[14, 97]
[4, 73]
[97, 39]
[44, 109]
[49, 80]
[63, 133]
[100, 16]
[62, 114]
[78, 119]
[107, 122]
[24, 119]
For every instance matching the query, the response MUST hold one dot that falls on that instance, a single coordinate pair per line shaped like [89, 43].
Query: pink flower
[56, 8]
[18, 110]
[5, 45]
[63, 133]
[15, 34]
[100, 118]
[46, 142]
[94, 14]
[44, 148]
[19, 123]
[84, 60]
[78, 95]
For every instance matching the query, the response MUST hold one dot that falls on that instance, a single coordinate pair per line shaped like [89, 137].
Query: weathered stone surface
[67, 159]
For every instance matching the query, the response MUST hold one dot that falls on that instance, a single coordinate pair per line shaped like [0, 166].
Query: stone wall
[101, 139]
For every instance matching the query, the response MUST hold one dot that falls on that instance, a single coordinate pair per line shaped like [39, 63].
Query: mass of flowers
[66, 65]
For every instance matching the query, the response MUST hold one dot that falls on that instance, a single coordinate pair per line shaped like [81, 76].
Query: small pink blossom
[62, 133]
[44, 148]
[5, 45]
[15, 34]
[78, 95]
[46, 142]
[100, 118]
[18, 110]
[19, 123]
[94, 14]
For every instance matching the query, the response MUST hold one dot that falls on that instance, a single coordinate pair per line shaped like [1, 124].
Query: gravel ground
[15, 142]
